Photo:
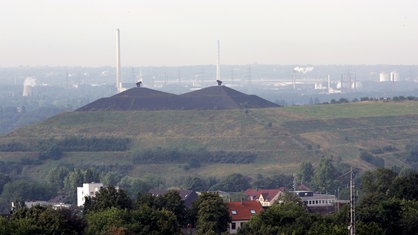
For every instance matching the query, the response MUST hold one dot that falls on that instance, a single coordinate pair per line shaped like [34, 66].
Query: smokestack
[118, 81]
[218, 65]
[329, 85]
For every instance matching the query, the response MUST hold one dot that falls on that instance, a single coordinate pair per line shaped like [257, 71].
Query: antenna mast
[118, 81]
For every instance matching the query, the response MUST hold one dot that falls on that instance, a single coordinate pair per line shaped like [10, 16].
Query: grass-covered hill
[172, 144]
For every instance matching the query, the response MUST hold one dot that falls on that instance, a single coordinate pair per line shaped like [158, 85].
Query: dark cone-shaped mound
[138, 98]
[216, 97]
[222, 97]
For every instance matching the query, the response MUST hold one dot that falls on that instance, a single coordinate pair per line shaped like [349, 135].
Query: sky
[185, 32]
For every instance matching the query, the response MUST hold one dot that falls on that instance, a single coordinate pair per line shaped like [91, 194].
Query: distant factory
[389, 77]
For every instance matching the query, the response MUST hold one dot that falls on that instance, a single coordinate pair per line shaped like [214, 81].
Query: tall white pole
[218, 63]
[118, 82]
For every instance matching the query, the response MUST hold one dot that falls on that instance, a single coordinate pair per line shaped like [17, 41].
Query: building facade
[88, 190]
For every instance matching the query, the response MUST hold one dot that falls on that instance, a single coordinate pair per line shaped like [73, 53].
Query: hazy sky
[184, 32]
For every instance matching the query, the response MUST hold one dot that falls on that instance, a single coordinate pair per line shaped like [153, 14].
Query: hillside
[275, 140]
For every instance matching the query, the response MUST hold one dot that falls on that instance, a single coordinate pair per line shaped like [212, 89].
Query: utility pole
[352, 226]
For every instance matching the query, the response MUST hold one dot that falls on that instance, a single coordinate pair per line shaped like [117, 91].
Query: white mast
[218, 65]
[118, 79]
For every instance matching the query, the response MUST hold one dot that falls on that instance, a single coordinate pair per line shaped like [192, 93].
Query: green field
[281, 138]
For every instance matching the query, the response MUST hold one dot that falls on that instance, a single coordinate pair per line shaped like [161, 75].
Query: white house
[88, 190]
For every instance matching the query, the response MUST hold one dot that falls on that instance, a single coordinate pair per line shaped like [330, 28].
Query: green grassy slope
[281, 137]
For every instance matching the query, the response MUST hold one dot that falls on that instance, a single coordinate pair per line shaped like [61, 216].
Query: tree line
[193, 158]
[52, 148]
[112, 211]
[388, 205]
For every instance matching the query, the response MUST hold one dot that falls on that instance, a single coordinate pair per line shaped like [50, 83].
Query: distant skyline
[185, 32]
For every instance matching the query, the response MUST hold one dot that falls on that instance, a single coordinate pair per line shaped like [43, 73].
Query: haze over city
[184, 32]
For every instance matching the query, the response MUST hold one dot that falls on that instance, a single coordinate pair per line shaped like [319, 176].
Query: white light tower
[118, 79]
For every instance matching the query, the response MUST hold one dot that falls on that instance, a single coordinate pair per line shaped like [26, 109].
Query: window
[252, 211]
[234, 212]
[233, 226]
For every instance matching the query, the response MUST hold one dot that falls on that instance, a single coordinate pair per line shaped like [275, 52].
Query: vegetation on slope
[217, 143]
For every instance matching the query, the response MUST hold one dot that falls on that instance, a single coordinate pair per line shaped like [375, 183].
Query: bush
[50, 152]
[370, 158]
[13, 147]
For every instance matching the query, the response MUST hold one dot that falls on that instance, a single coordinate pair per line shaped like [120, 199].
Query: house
[318, 203]
[242, 212]
[88, 190]
[266, 197]
[188, 196]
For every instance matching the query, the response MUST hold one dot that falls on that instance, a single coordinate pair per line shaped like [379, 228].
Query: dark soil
[215, 97]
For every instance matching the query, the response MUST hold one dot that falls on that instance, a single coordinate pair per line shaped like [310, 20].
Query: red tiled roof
[268, 194]
[243, 209]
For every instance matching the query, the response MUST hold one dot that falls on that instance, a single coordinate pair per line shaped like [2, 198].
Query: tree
[409, 218]
[56, 176]
[324, 179]
[134, 185]
[46, 220]
[107, 220]
[5, 226]
[378, 181]
[146, 220]
[212, 214]
[4, 179]
[385, 212]
[233, 183]
[281, 218]
[405, 187]
[26, 190]
[146, 199]
[196, 184]
[50, 150]
[172, 201]
[110, 178]
[89, 175]
[289, 197]
[73, 180]
[106, 198]
[274, 181]
[306, 172]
